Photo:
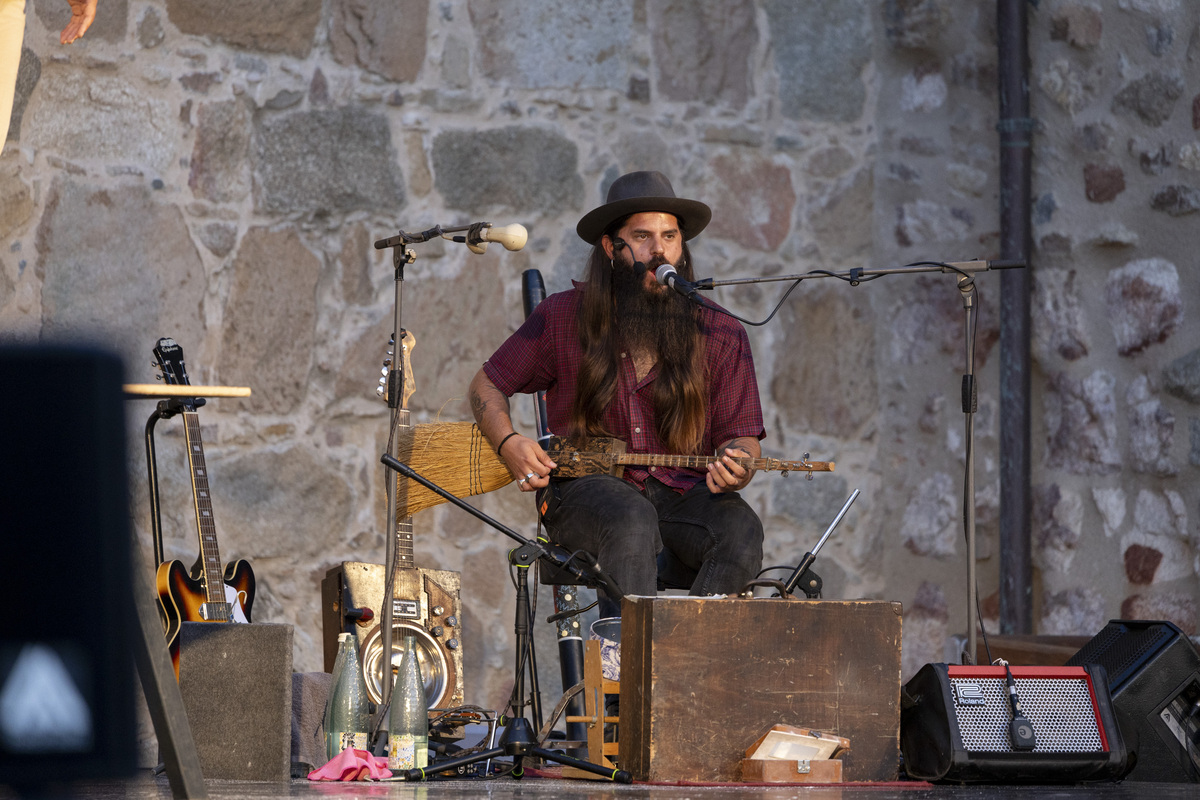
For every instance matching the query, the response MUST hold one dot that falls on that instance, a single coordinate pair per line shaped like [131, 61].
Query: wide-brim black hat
[643, 191]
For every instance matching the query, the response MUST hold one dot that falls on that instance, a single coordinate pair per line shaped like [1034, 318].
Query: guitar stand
[518, 739]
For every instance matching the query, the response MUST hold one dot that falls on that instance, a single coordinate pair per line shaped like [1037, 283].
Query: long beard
[663, 323]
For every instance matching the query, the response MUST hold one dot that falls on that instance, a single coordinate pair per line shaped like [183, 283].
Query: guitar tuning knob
[158, 377]
[391, 340]
[384, 372]
[383, 381]
[379, 391]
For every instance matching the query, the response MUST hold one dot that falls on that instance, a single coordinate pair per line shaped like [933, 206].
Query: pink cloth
[352, 765]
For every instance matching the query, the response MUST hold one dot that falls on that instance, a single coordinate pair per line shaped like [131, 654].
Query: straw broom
[454, 455]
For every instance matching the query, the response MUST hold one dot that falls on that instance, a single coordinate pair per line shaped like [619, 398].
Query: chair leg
[595, 688]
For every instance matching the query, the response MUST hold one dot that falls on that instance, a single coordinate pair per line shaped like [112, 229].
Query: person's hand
[528, 463]
[726, 475]
[82, 14]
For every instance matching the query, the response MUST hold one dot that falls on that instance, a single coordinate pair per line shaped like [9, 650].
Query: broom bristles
[454, 455]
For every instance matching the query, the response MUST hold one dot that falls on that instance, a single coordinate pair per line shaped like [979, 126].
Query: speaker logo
[969, 694]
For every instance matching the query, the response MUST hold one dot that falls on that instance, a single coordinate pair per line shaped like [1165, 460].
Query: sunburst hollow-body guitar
[209, 593]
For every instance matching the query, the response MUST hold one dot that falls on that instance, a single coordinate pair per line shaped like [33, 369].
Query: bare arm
[523, 456]
[728, 476]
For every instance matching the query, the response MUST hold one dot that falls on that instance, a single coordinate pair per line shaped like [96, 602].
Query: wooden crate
[702, 678]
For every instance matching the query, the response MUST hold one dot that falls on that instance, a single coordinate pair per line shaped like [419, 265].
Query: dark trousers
[707, 543]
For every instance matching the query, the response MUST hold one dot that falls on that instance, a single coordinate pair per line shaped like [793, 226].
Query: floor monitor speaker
[1154, 680]
[954, 725]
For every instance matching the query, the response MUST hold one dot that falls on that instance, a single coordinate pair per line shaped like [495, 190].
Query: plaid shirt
[544, 354]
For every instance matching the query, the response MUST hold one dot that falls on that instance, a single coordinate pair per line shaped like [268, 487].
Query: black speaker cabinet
[1154, 679]
[426, 605]
[67, 628]
[954, 725]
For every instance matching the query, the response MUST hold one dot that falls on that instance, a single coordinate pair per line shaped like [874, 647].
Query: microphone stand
[518, 739]
[966, 286]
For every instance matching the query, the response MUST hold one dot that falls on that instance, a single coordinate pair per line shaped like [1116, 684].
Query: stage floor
[149, 787]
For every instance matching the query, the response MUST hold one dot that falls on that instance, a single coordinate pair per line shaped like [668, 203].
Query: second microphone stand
[966, 287]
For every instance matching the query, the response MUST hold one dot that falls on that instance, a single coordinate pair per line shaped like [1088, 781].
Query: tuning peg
[158, 377]
[384, 372]
[391, 340]
[379, 391]
[387, 362]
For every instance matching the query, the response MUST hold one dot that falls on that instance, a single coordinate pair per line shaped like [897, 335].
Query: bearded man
[623, 356]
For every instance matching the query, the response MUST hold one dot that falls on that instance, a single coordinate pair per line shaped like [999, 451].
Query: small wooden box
[701, 678]
[759, 770]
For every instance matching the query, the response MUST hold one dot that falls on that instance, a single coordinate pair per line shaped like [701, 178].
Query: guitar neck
[210, 555]
[404, 526]
[701, 462]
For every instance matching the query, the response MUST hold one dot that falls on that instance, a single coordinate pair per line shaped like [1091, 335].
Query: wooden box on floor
[701, 678]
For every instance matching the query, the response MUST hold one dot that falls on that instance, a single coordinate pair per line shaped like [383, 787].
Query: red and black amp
[955, 725]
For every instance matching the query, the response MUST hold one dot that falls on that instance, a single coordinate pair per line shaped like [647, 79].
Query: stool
[595, 689]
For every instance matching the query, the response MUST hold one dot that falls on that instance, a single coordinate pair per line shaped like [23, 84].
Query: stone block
[16, 201]
[150, 32]
[929, 526]
[288, 28]
[1110, 502]
[220, 164]
[1144, 303]
[914, 24]
[1178, 200]
[1079, 611]
[1081, 424]
[1058, 320]
[325, 161]
[1078, 24]
[541, 169]
[820, 51]
[268, 338]
[1151, 430]
[1057, 526]
[97, 287]
[702, 50]
[1102, 183]
[826, 390]
[755, 203]
[586, 42]
[385, 38]
[87, 114]
[1181, 378]
[1150, 98]
[1174, 607]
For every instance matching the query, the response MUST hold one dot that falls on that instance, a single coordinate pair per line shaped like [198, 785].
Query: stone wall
[217, 170]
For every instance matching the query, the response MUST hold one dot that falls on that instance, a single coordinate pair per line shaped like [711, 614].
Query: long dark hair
[679, 390]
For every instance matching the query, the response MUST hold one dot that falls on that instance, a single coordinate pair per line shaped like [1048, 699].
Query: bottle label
[402, 752]
[358, 741]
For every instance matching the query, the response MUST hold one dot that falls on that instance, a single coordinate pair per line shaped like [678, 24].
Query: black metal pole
[1016, 132]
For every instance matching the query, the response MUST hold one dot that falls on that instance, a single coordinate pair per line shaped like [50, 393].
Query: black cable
[853, 279]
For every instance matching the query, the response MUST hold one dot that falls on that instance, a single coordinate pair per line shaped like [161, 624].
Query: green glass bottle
[347, 716]
[408, 723]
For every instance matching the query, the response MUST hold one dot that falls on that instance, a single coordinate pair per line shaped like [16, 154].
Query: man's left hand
[726, 475]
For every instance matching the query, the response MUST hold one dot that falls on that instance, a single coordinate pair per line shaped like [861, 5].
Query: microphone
[667, 275]
[510, 237]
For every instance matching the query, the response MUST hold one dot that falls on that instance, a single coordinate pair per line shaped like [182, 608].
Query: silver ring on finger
[529, 476]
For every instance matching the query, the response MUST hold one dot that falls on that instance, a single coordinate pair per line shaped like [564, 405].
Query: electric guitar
[209, 594]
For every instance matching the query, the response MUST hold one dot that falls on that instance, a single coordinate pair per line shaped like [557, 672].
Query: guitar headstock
[407, 342]
[168, 357]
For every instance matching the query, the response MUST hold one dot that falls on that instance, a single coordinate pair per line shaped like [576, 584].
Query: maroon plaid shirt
[544, 354]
